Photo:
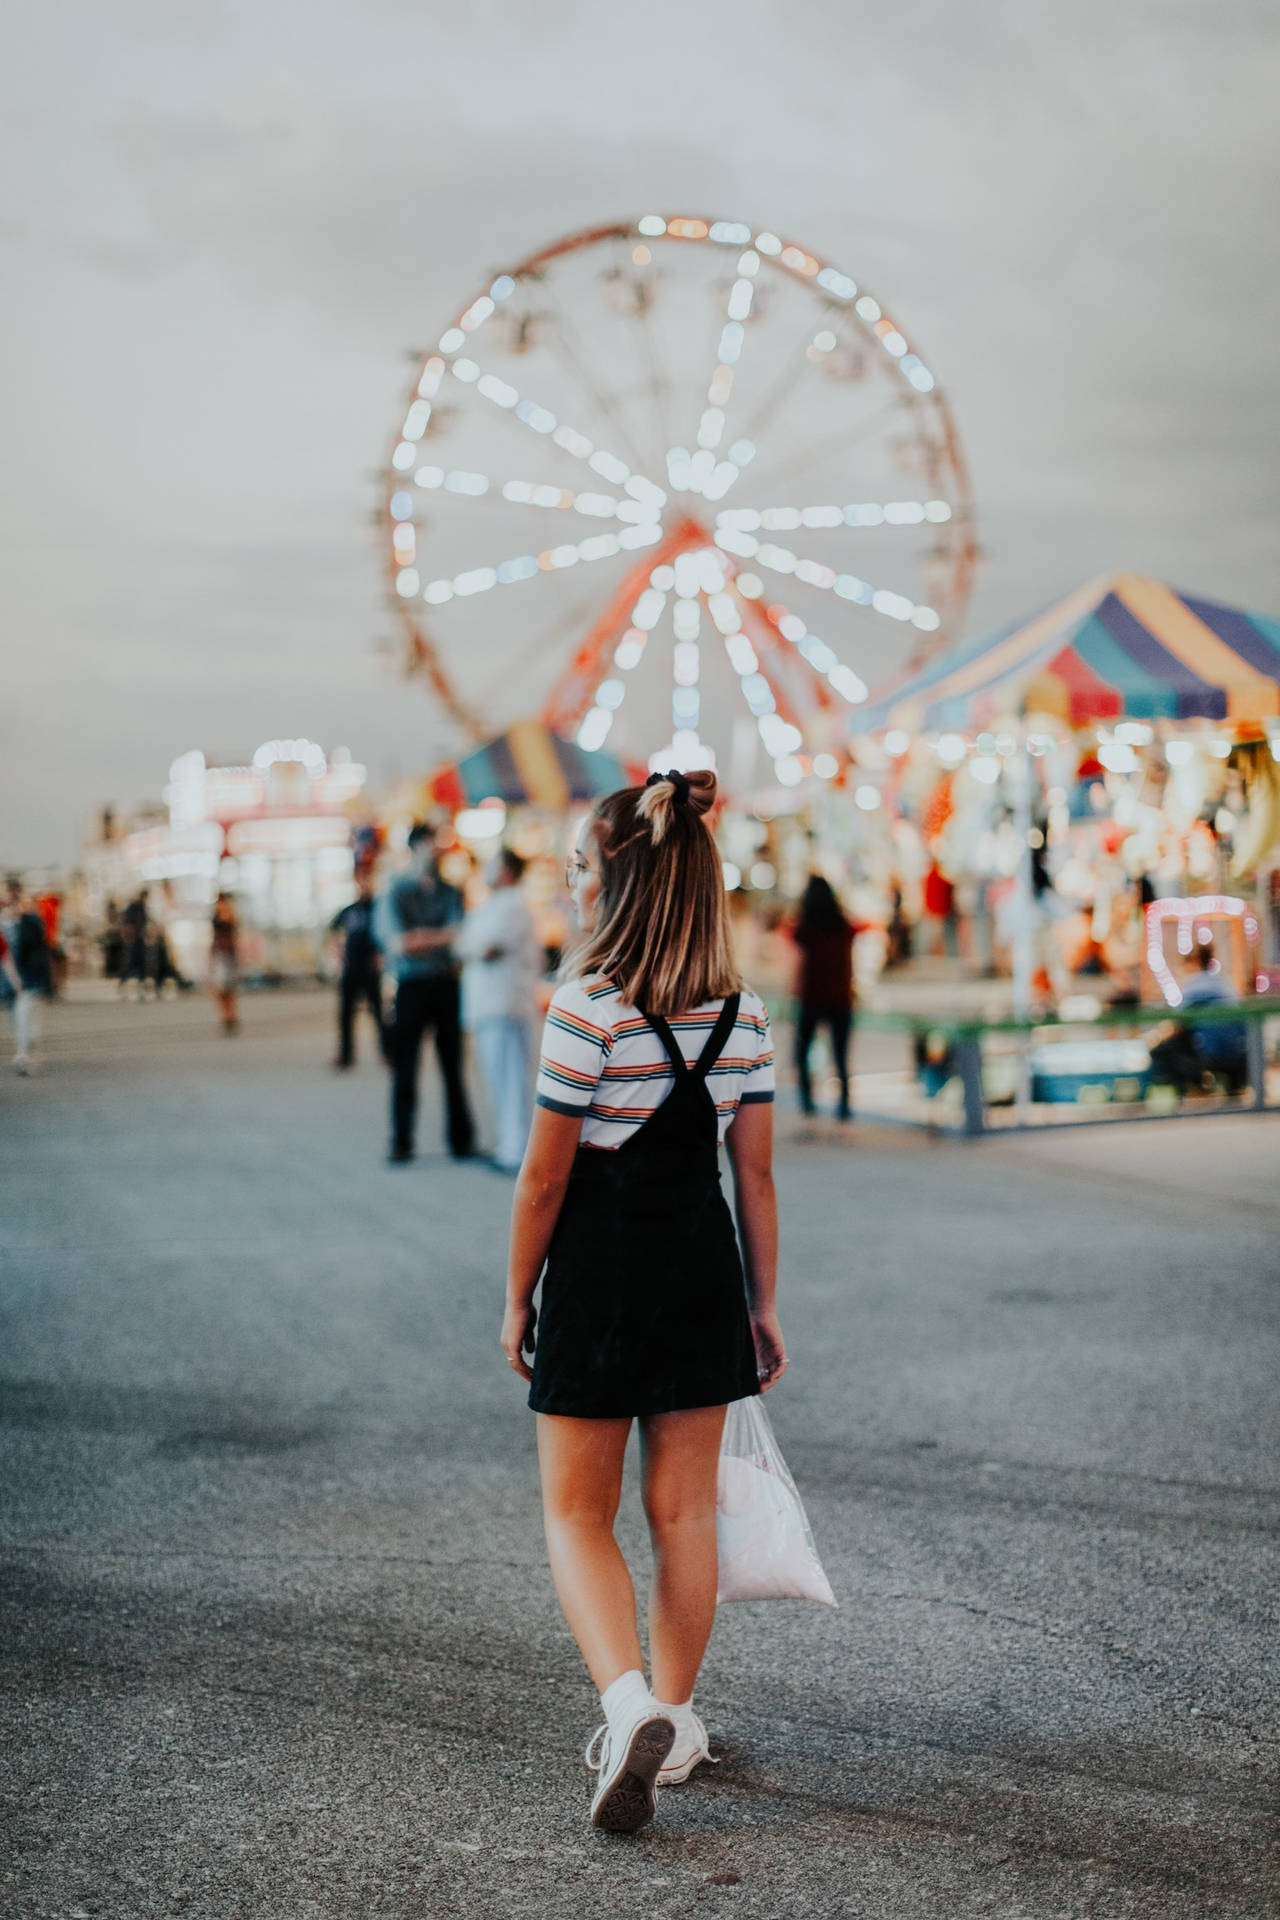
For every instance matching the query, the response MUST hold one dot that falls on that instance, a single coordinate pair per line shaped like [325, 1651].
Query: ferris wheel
[679, 482]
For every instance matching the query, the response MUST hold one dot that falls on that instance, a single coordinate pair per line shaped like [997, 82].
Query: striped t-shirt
[602, 1059]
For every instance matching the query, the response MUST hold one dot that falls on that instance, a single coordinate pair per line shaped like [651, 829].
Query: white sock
[626, 1697]
[681, 1714]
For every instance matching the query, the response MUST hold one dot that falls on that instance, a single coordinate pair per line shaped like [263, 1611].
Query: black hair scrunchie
[679, 781]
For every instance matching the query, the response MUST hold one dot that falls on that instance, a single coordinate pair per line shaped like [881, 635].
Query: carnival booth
[1107, 773]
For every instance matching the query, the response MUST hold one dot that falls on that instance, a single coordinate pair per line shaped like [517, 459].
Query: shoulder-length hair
[661, 932]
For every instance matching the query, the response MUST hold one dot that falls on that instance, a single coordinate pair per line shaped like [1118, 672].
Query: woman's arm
[540, 1191]
[750, 1144]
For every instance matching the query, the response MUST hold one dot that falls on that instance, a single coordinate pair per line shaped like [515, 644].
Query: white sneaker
[688, 1751]
[627, 1760]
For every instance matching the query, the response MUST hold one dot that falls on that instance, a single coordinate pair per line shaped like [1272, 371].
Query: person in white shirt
[501, 960]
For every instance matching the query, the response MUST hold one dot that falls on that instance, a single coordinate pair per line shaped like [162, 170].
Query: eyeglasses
[575, 869]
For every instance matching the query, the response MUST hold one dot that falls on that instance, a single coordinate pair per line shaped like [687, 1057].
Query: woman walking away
[653, 1053]
[824, 989]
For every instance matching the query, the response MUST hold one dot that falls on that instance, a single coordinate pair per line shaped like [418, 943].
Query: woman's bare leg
[681, 1456]
[581, 1463]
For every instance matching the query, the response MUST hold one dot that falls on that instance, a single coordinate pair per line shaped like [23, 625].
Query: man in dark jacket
[414, 924]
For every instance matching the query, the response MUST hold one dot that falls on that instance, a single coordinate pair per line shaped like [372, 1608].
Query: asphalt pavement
[277, 1639]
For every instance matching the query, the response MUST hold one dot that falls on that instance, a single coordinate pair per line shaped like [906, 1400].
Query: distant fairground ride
[772, 484]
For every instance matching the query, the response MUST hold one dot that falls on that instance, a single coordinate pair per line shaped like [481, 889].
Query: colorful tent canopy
[1120, 645]
[527, 766]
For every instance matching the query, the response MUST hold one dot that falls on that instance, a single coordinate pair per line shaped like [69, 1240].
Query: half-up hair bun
[663, 793]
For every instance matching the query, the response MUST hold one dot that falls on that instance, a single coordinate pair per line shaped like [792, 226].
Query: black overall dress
[643, 1305]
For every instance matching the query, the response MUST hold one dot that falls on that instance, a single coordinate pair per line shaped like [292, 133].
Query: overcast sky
[227, 224]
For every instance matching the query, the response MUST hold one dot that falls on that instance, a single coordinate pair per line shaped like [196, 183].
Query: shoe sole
[627, 1801]
[676, 1776]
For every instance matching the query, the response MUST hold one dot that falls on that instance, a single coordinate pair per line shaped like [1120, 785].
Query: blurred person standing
[224, 961]
[32, 970]
[501, 960]
[360, 979]
[824, 985]
[134, 927]
[415, 923]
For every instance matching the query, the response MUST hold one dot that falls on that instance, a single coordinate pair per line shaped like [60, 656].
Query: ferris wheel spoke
[707, 471]
[845, 440]
[822, 659]
[816, 573]
[572, 351]
[869, 513]
[531, 413]
[530, 566]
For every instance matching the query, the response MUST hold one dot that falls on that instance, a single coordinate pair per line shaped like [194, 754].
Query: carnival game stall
[1100, 787]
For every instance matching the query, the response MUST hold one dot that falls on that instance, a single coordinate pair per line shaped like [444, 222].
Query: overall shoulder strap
[718, 1038]
[667, 1038]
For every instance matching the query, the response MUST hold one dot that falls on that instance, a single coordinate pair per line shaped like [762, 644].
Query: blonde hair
[662, 923]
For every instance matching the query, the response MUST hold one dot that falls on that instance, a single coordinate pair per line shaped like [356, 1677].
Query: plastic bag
[762, 1534]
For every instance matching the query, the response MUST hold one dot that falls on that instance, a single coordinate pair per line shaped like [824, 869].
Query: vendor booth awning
[1123, 645]
[527, 766]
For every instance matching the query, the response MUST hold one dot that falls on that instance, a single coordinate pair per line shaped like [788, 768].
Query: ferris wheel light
[478, 580]
[535, 416]
[937, 510]
[400, 505]
[565, 556]
[758, 693]
[686, 620]
[476, 314]
[629, 650]
[415, 421]
[741, 295]
[792, 627]
[687, 229]
[893, 342]
[904, 513]
[815, 573]
[739, 519]
[825, 340]
[662, 579]
[850, 684]
[611, 694]
[742, 452]
[494, 389]
[896, 743]
[742, 655]
[451, 339]
[867, 308]
[645, 491]
[722, 478]
[749, 585]
[732, 335]
[818, 653]
[511, 571]
[437, 592]
[777, 559]
[710, 428]
[404, 541]
[798, 260]
[572, 441]
[778, 519]
[749, 264]
[464, 369]
[632, 537]
[594, 730]
[722, 610]
[701, 468]
[432, 375]
[609, 467]
[470, 483]
[896, 605]
[601, 546]
[768, 243]
[821, 517]
[849, 587]
[601, 506]
[503, 287]
[838, 283]
[407, 582]
[648, 609]
[404, 456]
[720, 386]
[825, 766]
[869, 515]
[730, 233]
[927, 619]
[922, 379]
[651, 225]
[867, 798]
[686, 575]
[685, 707]
[788, 771]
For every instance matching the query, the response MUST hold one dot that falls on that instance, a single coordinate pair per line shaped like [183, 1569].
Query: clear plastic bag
[763, 1536]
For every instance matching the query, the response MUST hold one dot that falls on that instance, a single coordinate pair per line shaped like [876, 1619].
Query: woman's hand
[517, 1334]
[771, 1348]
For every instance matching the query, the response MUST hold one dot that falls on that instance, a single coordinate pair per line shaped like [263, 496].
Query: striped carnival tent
[526, 766]
[1120, 646]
